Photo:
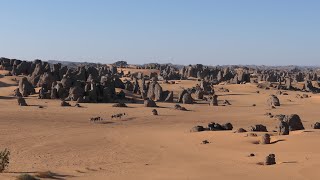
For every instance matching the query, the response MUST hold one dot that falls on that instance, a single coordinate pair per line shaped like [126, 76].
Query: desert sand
[142, 146]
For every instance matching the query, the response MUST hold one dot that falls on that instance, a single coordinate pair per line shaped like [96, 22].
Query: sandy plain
[142, 146]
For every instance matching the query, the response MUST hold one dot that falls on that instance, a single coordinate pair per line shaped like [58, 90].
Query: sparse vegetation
[4, 159]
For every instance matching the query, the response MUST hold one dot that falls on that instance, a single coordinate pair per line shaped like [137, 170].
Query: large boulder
[44, 93]
[17, 93]
[227, 126]
[67, 82]
[56, 71]
[64, 103]
[187, 99]
[22, 68]
[199, 94]
[294, 122]
[118, 83]
[22, 101]
[214, 100]
[316, 125]
[157, 92]
[180, 96]
[270, 160]
[81, 74]
[128, 86]
[197, 129]
[149, 103]
[54, 93]
[259, 128]
[273, 101]
[46, 79]
[35, 76]
[169, 97]
[265, 139]
[76, 92]
[61, 91]
[283, 128]
[154, 91]
[25, 87]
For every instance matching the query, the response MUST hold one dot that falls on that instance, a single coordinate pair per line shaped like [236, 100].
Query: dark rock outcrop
[270, 160]
[22, 101]
[273, 101]
[25, 87]
[259, 128]
[283, 128]
[294, 122]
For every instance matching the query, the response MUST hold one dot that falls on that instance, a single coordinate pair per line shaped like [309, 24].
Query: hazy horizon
[179, 32]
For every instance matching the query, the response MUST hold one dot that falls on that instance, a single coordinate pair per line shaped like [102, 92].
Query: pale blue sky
[271, 32]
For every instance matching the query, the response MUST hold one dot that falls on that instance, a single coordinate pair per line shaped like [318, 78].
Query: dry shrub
[4, 159]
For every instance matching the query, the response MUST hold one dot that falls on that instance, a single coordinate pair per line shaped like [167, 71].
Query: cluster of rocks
[286, 124]
[302, 96]
[216, 74]
[280, 117]
[88, 84]
[95, 83]
[283, 76]
[213, 127]
[258, 128]
[119, 115]
[82, 84]
[290, 123]
[275, 77]
[120, 104]
[94, 119]
[151, 90]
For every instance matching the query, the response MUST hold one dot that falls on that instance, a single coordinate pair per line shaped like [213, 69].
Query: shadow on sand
[280, 140]
[7, 97]
[46, 175]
